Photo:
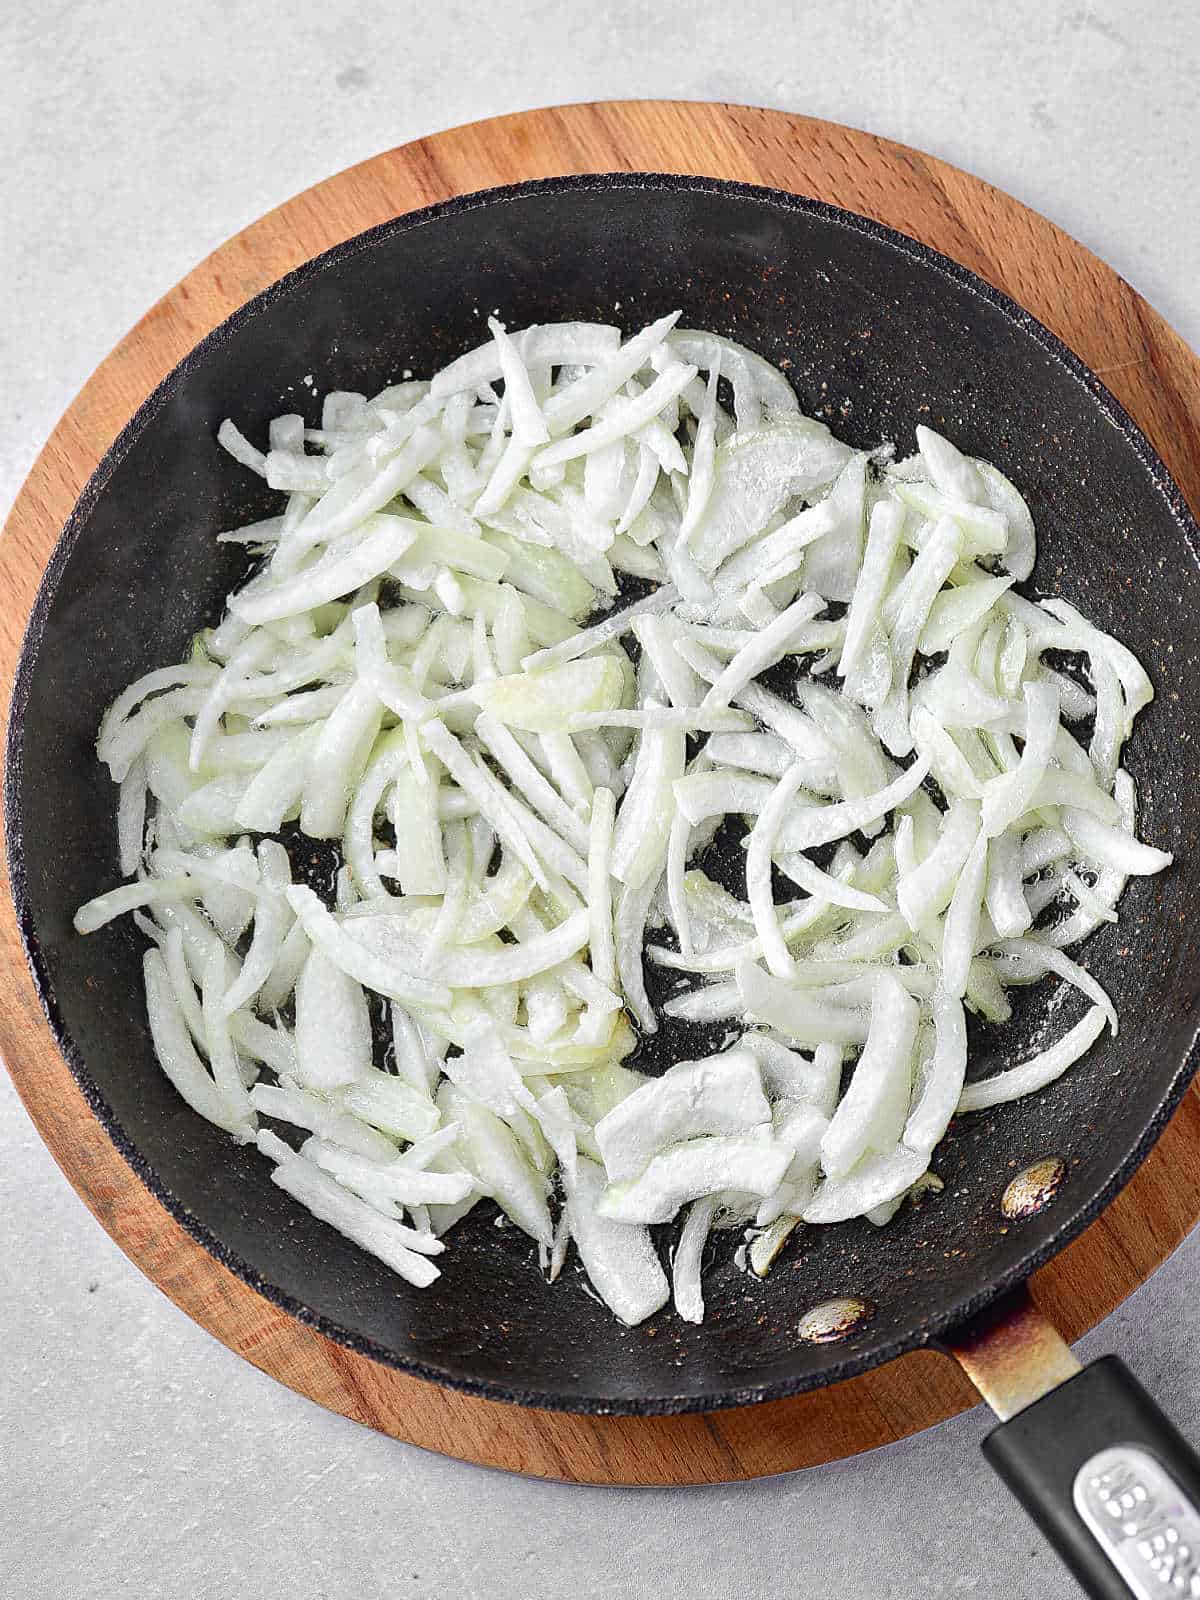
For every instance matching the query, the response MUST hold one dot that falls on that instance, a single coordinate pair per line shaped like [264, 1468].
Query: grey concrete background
[137, 1455]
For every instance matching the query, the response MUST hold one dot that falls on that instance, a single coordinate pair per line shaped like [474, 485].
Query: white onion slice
[389, 1185]
[942, 1078]
[361, 1223]
[644, 819]
[872, 1112]
[619, 1260]
[875, 1181]
[1039, 1070]
[1007, 798]
[799, 1015]
[177, 1055]
[689, 1171]
[396, 1107]
[1107, 846]
[960, 931]
[862, 619]
[333, 1028]
[719, 1096]
[685, 1264]
[321, 1117]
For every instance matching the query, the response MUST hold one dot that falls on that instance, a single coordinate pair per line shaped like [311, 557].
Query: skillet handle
[1113, 1485]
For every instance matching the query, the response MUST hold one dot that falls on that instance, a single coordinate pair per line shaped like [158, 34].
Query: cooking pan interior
[877, 334]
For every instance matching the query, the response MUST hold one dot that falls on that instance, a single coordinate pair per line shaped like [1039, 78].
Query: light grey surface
[139, 1456]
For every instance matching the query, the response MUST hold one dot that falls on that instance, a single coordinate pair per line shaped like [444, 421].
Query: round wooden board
[1120, 337]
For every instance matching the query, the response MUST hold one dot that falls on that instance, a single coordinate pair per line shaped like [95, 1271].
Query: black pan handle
[1111, 1482]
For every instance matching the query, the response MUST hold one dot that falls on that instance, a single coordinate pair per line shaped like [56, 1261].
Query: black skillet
[877, 333]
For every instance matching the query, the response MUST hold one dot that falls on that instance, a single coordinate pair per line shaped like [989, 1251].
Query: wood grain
[1145, 364]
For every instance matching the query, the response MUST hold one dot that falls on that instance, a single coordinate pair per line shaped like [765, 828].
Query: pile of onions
[438, 664]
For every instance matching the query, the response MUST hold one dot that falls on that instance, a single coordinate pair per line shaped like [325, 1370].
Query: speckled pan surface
[877, 333]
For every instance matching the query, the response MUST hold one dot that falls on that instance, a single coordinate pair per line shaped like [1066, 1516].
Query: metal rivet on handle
[1032, 1190]
[834, 1319]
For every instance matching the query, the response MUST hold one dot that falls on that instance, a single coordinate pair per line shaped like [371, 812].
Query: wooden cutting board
[1119, 336]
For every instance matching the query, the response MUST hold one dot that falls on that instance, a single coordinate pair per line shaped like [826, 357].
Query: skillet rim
[922, 1333]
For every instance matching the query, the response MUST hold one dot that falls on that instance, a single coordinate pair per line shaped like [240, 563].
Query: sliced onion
[685, 1264]
[722, 1096]
[325, 1197]
[619, 1260]
[1039, 1070]
[871, 1114]
[520, 787]
[688, 1171]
